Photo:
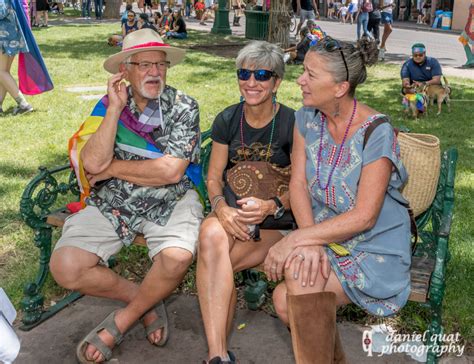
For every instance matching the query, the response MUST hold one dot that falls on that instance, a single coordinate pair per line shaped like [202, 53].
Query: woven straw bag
[421, 157]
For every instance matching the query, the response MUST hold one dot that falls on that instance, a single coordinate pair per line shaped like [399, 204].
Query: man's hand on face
[117, 92]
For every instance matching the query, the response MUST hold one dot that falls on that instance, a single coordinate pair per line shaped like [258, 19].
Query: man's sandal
[93, 339]
[160, 323]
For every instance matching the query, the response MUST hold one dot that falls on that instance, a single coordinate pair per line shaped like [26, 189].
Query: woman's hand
[277, 256]
[230, 220]
[254, 212]
[306, 262]
[117, 92]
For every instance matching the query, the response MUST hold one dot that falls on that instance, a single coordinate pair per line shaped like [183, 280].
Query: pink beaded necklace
[337, 161]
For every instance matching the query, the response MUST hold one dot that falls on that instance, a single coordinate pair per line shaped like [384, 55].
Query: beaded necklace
[242, 116]
[338, 159]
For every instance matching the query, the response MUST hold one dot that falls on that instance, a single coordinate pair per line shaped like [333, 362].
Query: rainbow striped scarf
[129, 138]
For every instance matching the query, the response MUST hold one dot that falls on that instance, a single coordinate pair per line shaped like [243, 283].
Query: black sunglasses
[330, 45]
[260, 75]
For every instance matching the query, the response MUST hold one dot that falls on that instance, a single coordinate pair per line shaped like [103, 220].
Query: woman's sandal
[218, 360]
[160, 323]
[93, 338]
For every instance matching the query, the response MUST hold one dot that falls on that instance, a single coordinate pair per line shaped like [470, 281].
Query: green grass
[74, 55]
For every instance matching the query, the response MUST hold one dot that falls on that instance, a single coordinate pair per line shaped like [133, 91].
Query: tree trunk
[112, 9]
[279, 22]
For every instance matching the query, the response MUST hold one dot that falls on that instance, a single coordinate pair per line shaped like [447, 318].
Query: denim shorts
[387, 18]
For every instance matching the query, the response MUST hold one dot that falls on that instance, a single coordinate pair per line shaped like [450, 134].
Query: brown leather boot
[313, 327]
[339, 356]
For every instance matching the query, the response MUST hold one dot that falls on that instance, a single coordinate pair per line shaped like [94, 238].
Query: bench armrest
[41, 194]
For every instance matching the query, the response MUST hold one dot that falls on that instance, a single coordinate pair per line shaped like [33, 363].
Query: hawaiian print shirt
[128, 205]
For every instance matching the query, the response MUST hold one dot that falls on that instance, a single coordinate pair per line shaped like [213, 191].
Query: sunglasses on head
[330, 45]
[260, 75]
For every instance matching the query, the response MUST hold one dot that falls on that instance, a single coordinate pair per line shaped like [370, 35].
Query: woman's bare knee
[279, 302]
[213, 240]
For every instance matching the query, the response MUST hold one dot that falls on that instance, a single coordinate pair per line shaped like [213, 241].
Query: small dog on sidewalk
[439, 92]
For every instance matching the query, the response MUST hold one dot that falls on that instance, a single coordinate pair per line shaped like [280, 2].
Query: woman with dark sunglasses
[353, 241]
[259, 128]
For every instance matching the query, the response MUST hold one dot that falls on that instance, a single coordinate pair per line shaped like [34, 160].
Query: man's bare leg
[74, 268]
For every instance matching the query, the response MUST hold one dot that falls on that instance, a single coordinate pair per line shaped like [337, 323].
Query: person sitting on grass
[316, 33]
[144, 22]
[296, 53]
[131, 24]
[138, 152]
[165, 22]
[157, 18]
[124, 17]
[178, 27]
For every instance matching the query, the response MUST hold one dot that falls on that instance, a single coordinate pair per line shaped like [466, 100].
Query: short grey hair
[358, 57]
[261, 54]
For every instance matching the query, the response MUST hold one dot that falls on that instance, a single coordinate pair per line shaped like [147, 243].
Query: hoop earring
[274, 98]
[242, 99]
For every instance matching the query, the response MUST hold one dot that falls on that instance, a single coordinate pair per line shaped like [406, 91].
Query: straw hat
[143, 40]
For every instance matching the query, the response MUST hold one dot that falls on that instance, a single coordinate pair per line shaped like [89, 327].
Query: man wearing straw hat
[136, 161]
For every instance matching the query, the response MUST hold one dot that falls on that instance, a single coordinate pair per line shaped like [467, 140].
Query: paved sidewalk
[442, 45]
[264, 339]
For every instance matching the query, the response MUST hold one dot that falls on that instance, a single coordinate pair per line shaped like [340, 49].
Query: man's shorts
[91, 231]
[387, 18]
[306, 15]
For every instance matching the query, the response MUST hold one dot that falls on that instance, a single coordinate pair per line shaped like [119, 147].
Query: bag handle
[370, 129]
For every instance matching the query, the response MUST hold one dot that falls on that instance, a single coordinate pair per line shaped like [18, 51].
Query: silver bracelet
[216, 200]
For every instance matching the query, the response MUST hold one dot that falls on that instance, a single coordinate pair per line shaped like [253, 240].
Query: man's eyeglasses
[418, 55]
[244, 74]
[146, 66]
[330, 45]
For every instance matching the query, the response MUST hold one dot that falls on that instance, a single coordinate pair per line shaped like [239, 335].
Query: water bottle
[251, 227]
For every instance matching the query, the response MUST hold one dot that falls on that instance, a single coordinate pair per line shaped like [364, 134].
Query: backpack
[367, 6]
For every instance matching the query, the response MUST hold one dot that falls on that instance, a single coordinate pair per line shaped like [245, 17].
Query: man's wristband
[215, 201]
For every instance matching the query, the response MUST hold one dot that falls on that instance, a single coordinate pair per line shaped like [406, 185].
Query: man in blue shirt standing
[420, 69]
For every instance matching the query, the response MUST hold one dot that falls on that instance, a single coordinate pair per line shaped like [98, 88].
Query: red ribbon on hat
[146, 45]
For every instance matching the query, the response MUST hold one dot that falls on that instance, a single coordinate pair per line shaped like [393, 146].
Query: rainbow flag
[33, 76]
[126, 139]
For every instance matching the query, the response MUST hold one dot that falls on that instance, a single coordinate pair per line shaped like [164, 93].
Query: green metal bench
[55, 187]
